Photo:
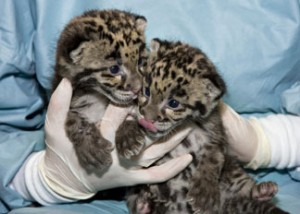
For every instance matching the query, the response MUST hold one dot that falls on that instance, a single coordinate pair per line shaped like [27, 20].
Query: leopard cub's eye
[147, 91]
[114, 69]
[173, 103]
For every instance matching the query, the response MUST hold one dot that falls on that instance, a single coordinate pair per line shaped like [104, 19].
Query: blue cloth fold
[291, 99]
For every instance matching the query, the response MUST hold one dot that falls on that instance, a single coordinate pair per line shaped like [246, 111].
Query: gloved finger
[161, 147]
[59, 103]
[161, 173]
[112, 119]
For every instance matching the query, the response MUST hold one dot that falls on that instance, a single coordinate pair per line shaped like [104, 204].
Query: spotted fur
[102, 53]
[183, 88]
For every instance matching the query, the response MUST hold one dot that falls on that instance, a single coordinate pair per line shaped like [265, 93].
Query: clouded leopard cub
[182, 88]
[101, 53]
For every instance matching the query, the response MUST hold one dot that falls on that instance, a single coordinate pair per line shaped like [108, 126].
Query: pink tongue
[147, 125]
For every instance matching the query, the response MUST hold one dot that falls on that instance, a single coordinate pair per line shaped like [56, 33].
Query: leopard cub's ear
[211, 89]
[141, 23]
[76, 54]
[155, 45]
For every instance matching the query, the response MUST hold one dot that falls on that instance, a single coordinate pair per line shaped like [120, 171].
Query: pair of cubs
[104, 55]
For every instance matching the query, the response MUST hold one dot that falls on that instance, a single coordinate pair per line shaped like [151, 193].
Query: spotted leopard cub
[182, 88]
[101, 52]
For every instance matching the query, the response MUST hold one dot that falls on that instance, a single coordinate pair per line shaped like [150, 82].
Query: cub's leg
[204, 192]
[241, 194]
[235, 181]
[238, 205]
[92, 149]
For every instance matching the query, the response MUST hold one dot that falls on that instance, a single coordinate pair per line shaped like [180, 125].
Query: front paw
[204, 198]
[130, 139]
[94, 153]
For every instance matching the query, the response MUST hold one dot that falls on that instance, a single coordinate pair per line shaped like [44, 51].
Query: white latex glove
[62, 172]
[247, 140]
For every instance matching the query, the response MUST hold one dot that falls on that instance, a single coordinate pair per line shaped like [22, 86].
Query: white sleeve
[283, 133]
[31, 186]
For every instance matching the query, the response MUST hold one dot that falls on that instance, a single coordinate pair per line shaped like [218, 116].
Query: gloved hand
[62, 172]
[247, 139]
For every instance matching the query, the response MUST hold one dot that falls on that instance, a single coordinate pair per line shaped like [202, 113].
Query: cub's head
[180, 84]
[103, 52]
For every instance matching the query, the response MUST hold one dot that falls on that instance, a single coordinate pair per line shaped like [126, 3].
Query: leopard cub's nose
[135, 90]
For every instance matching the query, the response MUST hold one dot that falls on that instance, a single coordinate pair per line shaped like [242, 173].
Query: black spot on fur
[166, 74]
[200, 107]
[195, 160]
[109, 37]
[179, 80]
[155, 85]
[164, 190]
[113, 55]
[86, 73]
[185, 82]
[179, 64]
[173, 74]
[100, 29]
[136, 41]
[148, 79]
[181, 93]
[158, 72]
[122, 43]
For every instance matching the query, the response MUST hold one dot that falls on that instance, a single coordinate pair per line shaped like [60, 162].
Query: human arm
[272, 141]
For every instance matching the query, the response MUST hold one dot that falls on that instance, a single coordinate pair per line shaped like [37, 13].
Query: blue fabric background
[255, 45]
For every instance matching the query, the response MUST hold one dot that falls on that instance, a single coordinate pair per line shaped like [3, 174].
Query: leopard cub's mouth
[160, 128]
[148, 125]
[124, 97]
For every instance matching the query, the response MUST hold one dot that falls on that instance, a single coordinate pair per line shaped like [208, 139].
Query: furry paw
[204, 198]
[95, 153]
[130, 139]
[264, 191]
[143, 204]
[140, 203]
